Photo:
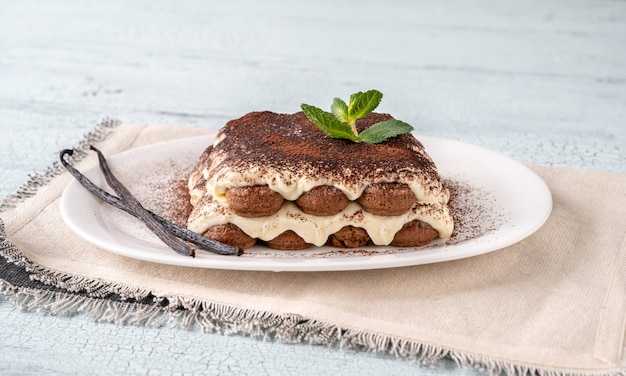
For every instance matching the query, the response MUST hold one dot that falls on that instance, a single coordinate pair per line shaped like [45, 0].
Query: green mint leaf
[362, 104]
[339, 108]
[341, 121]
[384, 130]
[327, 123]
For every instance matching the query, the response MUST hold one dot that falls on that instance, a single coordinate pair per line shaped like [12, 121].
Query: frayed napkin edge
[30, 188]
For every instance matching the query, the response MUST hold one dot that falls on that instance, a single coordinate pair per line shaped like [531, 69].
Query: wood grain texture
[542, 82]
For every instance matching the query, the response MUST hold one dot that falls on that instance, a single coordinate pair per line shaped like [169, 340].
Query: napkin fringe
[98, 310]
[80, 295]
[189, 314]
[217, 318]
[30, 188]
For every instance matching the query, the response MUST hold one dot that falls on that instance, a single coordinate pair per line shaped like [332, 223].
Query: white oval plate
[514, 201]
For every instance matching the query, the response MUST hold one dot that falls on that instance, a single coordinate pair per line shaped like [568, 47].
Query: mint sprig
[340, 122]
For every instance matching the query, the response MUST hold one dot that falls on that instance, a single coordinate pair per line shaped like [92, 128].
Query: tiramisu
[276, 180]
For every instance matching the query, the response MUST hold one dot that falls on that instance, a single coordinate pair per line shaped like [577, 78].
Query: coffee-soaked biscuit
[322, 200]
[414, 234]
[288, 240]
[349, 237]
[230, 234]
[387, 198]
[253, 201]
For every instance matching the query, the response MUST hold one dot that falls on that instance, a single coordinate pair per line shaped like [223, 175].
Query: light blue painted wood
[542, 82]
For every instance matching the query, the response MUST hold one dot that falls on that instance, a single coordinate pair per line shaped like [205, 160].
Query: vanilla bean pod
[90, 186]
[202, 242]
[185, 234]
[131, 202]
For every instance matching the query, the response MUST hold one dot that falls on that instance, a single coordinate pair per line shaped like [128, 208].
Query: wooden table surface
[542, 82]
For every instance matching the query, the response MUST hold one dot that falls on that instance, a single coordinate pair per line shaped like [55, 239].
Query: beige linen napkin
[554, 303]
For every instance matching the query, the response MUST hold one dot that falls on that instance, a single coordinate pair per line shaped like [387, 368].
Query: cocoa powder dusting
[291, 143]
[472, 210]
[170, 199]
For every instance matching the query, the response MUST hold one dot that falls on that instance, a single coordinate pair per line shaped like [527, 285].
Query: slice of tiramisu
[276, 179]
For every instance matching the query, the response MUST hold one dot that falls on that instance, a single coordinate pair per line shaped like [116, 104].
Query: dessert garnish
[340, 122]
[174, 236]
